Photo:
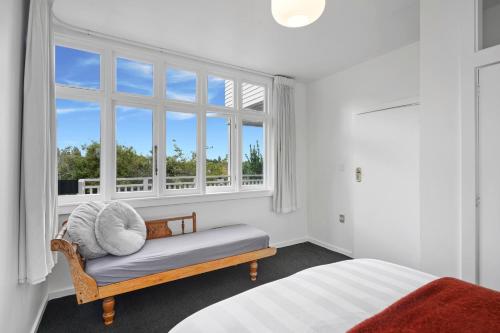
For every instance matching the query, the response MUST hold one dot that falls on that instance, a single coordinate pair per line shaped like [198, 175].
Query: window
[181, 85]
[252, 162]
[134, 77]
[181, 162]
[488, 26]
[220, 91]
[134, 149]
[142, 127]
[218, 151]
[76, 68]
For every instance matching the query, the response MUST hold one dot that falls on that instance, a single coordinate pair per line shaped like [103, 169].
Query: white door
[386, 200]
[489, 177]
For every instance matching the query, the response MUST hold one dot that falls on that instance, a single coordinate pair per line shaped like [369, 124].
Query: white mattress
[168, 253]
[329, 298]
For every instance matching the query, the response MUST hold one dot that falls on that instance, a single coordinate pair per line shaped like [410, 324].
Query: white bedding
[328, 298]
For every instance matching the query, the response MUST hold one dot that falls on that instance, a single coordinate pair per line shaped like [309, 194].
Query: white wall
[440, 49]
[331, 102]
[283, 229]
[19, 304]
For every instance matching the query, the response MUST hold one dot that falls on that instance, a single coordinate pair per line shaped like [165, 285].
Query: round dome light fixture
[297, 13]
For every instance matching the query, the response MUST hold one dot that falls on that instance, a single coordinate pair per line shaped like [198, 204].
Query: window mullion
[108, 160]
[202, 130]
[159, 154]
[159, 128]
[236, 157]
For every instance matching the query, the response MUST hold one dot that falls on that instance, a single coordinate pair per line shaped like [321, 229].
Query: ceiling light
[297, 13]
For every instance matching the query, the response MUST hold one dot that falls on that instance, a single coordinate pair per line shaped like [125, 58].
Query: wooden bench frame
[86, 287]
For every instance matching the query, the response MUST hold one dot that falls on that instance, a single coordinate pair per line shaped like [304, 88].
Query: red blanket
[442, 306]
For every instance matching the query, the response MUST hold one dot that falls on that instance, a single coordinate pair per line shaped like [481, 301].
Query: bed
[328, 298]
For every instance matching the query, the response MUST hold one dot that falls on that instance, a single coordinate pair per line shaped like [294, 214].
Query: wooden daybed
[88, 289]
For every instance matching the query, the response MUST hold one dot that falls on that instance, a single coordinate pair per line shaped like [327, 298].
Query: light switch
[359, 175]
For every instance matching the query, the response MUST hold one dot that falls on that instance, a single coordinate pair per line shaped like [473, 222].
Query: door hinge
[478, 201]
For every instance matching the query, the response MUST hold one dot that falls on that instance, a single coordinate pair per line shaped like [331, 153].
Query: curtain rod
[390, 108]
[93, 33]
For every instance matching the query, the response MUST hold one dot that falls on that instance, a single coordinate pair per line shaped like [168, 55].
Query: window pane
[218, 150]
[491, 25]
[253, 153]
[220, 91]
[78, 147]
[134, 141]
[181, 85]
[134, 77]
[181, 150]
[77, 68]
[252, 97]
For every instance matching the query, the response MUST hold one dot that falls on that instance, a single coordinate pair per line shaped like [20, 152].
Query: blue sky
[78, 121]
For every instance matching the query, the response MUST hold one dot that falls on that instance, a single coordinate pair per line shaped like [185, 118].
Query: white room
[262, 166]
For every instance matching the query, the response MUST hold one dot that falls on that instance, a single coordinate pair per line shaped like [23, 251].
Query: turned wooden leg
[108, 308]
[253, 270]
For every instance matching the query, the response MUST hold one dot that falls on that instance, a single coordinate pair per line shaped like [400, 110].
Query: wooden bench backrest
[160, 229]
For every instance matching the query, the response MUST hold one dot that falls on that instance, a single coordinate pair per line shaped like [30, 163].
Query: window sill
[178, 199]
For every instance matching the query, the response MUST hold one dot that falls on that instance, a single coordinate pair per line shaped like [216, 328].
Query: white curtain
[285, 189]
[38, 207]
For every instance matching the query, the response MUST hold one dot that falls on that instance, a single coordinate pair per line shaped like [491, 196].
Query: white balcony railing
[92, 185]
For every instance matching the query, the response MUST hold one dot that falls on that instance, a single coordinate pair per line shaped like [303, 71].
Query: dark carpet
[159, 308]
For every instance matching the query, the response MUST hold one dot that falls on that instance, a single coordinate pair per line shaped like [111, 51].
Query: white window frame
[108, 98]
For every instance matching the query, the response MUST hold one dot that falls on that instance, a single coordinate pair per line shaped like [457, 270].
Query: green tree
[130, 164]
[254, 161]
[84, 162]
[179, 164]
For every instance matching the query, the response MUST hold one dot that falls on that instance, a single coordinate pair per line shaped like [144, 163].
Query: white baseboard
[61, 293]
[290, 242]
[330, 246]
[39, 315]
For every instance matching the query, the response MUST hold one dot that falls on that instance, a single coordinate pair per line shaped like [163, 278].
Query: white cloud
[77, 109]
[180, 76]
[144, 88]
[180, 116]
[76, 83]
[143, 69]
[187, 97]
[128, 112]
[89, 61]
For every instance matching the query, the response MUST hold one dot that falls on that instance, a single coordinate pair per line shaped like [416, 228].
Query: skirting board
[39, 315]
[329, 246]
[290, 242]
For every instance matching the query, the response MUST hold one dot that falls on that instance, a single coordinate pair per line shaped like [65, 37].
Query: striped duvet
[328, 298]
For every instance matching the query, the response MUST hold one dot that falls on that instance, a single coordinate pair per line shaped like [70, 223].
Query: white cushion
[81, 229]
[119, 229]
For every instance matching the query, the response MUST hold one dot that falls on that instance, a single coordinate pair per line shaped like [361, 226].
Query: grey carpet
[159, 308]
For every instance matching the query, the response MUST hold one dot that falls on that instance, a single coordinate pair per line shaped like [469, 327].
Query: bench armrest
[85, 286]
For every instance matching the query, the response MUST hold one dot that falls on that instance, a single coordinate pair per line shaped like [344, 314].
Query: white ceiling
[243, 32]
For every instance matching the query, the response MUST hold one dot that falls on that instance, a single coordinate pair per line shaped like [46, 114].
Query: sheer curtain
[285, 188]
[38, 208]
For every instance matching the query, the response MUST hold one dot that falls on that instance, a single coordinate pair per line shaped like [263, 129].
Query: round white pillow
[81, 229]
[119, 229]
